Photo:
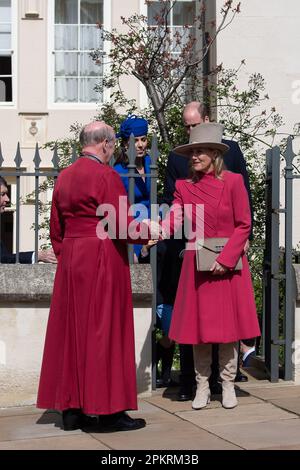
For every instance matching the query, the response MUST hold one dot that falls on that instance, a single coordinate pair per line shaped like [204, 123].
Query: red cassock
[89, 360]
[208, 308]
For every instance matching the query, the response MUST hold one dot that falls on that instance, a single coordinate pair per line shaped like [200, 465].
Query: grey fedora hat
[208, 135]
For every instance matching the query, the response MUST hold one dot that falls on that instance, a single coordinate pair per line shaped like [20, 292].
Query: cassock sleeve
[56, 224]
[242, 222]
[114, 213]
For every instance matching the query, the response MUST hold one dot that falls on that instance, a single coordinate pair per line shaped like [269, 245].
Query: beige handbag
[208, 250]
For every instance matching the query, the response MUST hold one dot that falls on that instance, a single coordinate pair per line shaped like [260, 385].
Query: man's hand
[47, 256]
[145, 248]
[155, 229]
[217, 269]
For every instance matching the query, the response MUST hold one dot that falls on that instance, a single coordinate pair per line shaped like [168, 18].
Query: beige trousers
[228, 353]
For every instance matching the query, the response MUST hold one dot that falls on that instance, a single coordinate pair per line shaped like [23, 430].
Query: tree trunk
[159, 114]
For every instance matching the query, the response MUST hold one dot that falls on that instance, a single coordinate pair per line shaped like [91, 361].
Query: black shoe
[161, 383]
[185, 393]
[74, 419]
[241, 377]
[120, 422]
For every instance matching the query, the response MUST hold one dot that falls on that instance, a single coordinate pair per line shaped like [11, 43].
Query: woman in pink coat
[215, 306]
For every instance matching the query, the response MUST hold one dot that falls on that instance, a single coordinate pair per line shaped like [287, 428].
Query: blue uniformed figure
[137, 126]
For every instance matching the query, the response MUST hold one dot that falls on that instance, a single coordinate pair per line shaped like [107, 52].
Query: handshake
[156, 230]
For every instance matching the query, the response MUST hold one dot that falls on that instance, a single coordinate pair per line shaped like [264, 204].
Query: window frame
[143, 98]
[14, 43]
[51, 61]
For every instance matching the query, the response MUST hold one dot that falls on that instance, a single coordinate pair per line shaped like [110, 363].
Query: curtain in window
[66, 90]
[76, 34]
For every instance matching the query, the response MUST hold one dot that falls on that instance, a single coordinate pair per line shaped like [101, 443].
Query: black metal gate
[278, 311]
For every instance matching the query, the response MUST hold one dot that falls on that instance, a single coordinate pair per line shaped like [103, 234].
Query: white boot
[228, 367]
[202, 361]
[229, 399]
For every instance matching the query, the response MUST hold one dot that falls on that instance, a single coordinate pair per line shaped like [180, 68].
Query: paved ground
[267, 418]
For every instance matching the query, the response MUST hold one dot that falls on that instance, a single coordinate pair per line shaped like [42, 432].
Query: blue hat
[133, 125]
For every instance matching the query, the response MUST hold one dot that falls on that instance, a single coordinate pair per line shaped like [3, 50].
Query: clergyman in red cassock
[89, 362]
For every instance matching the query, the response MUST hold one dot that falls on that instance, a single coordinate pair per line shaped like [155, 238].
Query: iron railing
[39, 173]
[279, 303]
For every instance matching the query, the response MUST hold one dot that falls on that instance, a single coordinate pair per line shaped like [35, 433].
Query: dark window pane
[91, 11]
[5, 89]
[184, 13]
[5, 64]
[66, 11]
[156, 9]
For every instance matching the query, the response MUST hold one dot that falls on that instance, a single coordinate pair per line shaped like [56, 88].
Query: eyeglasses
[188, 126]
[4, 194]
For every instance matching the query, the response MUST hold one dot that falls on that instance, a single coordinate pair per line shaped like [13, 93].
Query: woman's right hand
[217, 269]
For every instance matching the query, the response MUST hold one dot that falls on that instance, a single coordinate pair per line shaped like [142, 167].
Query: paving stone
[31, 426]
[290, 404]
[173, 406]
[75, 442]
[253, 413]
[262, 435]
[19, 411]
[153, 414]
[184, 436]
[267, 393]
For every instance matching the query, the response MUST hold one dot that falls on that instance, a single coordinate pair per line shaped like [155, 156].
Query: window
[181, 24]
[6, 77]
[75, 35]
[181, 14]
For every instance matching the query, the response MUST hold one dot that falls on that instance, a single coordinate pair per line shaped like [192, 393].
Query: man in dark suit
[25, 257]
[195, 113]
[248, 351]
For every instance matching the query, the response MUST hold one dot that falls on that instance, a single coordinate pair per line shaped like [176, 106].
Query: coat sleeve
[25, 257]
[241, 168]
[242, 223]
[56, 224]
[174, 218]
[116, 221]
